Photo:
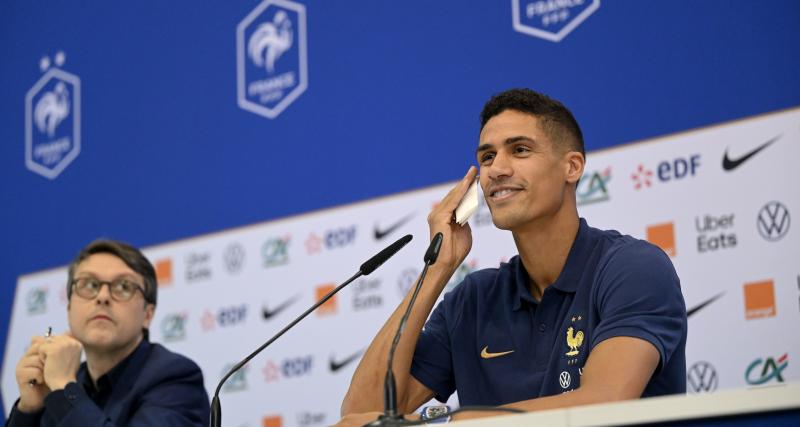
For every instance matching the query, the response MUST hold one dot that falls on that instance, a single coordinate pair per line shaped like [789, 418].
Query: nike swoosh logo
[337, 365]
[269, 314]
[486, 355]
[729, 164]
[703, 305]
[381, 233]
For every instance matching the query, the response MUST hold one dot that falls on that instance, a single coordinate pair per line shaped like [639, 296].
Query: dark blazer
[156, 387]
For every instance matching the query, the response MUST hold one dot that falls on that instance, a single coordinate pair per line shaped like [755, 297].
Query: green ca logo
[769, 369]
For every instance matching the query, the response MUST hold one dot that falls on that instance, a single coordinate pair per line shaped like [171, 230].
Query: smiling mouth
[502, 194]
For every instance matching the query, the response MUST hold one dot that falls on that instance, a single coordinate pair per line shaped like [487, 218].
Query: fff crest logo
[549, 19]
[52, 119]
[271, 57]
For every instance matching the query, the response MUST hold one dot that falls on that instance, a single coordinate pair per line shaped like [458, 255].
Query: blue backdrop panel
[393, 95]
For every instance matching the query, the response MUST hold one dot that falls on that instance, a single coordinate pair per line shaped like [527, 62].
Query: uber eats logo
[366, 294]
[198, 266]
[715, 232]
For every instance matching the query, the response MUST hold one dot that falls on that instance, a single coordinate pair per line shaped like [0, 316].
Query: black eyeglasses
[121, 289]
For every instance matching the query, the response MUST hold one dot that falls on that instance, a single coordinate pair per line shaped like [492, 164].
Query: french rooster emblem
[51, 109]
[573, 341]
[270, 41]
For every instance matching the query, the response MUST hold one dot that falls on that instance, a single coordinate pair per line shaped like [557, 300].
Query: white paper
[468, 204]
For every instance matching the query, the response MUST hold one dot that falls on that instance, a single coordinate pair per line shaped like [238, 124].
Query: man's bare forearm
[366, 388]
[618, 368]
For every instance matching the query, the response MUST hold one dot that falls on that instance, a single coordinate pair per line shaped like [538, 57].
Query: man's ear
[149, 312]
[574, 166]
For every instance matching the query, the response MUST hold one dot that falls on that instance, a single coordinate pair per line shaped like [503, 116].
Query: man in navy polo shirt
[580, 316]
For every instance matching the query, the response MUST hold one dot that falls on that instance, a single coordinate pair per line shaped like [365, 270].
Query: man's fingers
[33, 348]
[32, 361]
[34, 377]
[54, 341]
[450, 202]
[31, 369]
[461, 188]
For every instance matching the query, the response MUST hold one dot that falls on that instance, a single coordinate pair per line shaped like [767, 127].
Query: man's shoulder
[616, 246]
[623, 258]
[161, 356]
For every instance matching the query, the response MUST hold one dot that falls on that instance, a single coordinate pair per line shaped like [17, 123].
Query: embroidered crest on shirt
[574, 341]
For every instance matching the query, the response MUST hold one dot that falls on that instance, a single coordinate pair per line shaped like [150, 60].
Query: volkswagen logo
[234, 257]
[702, 378]
[564, 379]
[773, 221]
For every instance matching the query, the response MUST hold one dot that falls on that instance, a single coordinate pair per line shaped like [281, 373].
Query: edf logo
[53, 120]
[678, 168]
[339, 237]
[288, 368]
[230, 316]
[271, 57]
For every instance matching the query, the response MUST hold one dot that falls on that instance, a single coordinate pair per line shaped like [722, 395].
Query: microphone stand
[391, 417]
[366, 268]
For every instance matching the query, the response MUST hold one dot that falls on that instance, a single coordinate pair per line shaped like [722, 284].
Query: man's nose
[500, 167]
[104, 294]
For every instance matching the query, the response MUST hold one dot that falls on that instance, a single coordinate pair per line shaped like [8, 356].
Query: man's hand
[457, 239]
[31, 368]
[61, 355]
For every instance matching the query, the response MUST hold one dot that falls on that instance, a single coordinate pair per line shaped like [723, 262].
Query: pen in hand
[46, 335]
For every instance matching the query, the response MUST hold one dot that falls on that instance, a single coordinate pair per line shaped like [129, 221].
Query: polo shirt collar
[581, 248]
[570, 275]
[522, 291]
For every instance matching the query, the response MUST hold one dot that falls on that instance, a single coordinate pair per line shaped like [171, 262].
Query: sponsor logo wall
[719, 201]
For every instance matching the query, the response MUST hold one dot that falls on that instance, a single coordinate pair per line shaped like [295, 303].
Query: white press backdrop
[223, 294]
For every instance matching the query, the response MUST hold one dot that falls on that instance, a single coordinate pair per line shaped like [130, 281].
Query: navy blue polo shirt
[491, 341]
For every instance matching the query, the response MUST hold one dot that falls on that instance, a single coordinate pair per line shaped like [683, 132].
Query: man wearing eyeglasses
[125, 380]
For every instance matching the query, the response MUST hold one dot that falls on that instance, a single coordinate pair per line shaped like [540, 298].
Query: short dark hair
[556, 119]
[131, 256]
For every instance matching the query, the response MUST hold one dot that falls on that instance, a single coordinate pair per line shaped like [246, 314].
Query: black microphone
[366, 268]
[376, 261]
[391, 417]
